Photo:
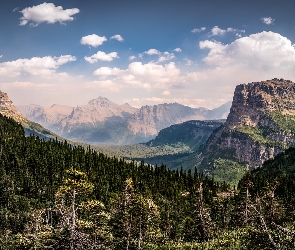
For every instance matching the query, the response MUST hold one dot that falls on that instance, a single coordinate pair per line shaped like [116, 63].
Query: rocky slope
[191, 134]
[8, 109]
[260, 125]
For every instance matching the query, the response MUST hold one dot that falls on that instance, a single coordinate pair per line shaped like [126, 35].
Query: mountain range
[102, 121]
[260, 125]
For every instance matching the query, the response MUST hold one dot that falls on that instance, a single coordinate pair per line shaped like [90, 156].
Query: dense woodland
[58, 196]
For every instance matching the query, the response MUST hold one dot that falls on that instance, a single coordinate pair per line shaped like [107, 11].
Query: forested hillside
[56, 196]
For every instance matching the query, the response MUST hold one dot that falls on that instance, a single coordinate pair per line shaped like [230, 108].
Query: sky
[142, 52]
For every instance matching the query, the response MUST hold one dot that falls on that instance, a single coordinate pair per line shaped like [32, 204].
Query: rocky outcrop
[7, 108]
[260, 125]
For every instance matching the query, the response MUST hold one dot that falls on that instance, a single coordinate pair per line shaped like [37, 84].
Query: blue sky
[142, 52]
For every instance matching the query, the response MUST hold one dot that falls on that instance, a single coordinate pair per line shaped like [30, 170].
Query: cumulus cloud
[153, 52]
[46, 12]
[166, 93]
[101, 56]
[166, 57]
[216, 31]
[43, 66]
[1, 56]
[163, 56]
[263, 51]
[267, 20]
[141, 75]
[106, 71]
[131, 58]
[195, 30]
[177, 50]
[118, 38]
[93, 40]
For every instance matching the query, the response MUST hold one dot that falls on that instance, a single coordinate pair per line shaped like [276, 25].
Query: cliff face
[260, 125]
[149, 120]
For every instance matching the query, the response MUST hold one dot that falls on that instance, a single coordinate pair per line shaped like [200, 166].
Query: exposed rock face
[149, 120]
[46, 116]
[7, 108]
[96, 112]
[260, 125]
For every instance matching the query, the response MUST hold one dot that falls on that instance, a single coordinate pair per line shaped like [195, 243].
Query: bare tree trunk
[264, 226]
[140, 233]
[73, 226]
[129, 232]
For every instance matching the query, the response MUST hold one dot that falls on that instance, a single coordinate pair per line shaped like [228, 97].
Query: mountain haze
[102, 121]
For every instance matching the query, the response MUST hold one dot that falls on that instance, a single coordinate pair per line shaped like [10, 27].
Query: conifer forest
[58, 196]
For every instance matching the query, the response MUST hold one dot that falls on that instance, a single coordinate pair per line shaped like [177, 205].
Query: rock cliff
[149, 120]
[261, 124]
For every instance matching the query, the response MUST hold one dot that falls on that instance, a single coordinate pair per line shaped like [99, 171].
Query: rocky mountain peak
[253, 99]
[7, 108]
[101, 101]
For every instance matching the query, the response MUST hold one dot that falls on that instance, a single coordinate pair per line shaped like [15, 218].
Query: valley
[224, 182]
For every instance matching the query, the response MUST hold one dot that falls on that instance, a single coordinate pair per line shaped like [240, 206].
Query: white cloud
[46, 12]
[216, 31]
[195, 30]
[146, 76]
[106, 71]
[263, 51]
[153, 52]
[93, 40]
[15, 9]
[166, 93]
[177, 50]
[188, 62]
[118, 38]
[267, 20]
[101, 56]
[1, 56]
[43, 66]
[166, 57]
[131, 58]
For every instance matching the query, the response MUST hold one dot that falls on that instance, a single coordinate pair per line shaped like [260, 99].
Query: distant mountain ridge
[102, 121]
